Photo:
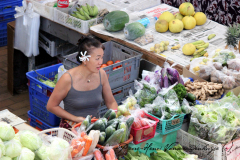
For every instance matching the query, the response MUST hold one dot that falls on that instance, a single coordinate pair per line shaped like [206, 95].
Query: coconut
[176, 26]
[186, 9]
[166, 16]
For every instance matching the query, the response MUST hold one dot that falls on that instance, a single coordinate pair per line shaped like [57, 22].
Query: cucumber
[123, 125]
[107, 114]
[112, 121]
[114, 139]
[109, 131]
[112, 115]
[134, 30]
[102, 138]
[191, 97]
[104, 121]
[115, 124]
[130, 122]
[98, 125]
[115, 21]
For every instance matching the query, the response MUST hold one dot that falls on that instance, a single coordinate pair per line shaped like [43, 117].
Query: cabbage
[6, 131]
[13, 148]
[30, 140]
[5, 158]
[2, 148]
[59, 149]
[43, 152]
[26, 154]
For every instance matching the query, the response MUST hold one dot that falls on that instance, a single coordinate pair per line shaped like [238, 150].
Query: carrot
[112, 154]
[98, 155]
[74, 152]
[88, 142]
[108, 157]
[80, 147]
[83, 134]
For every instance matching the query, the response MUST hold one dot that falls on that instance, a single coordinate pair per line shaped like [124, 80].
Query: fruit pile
[85, 12]
[160, 47]
[186, 19]
[110, 62]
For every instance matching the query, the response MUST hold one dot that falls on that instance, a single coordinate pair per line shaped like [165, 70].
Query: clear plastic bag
[156, 108]
[234, 64]
[228, 82]
[205, 71]
[185, 107]
[131, 101]
[216, 76]
[218, 66]
[198, 129]
[110, 155]
[98, 155]
[223, 56]
[144, 40]
[148, 94]
[197, 63]
[230, 72]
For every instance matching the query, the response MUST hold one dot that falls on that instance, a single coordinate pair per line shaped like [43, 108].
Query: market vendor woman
[82, 88]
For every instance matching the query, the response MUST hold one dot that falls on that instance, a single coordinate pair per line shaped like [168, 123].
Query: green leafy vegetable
[180, 90]
[30, 140]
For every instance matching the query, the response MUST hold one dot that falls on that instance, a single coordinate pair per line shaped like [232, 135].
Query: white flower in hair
[84, 57]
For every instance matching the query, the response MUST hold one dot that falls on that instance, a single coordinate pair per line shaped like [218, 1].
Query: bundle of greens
[146, 95]
[48, 82]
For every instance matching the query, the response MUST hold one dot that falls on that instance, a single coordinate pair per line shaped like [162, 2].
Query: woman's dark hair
[87, 44]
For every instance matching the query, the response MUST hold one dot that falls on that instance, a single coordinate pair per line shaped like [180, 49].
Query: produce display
[160, 47]
[85, 12]
[222, 66]
[176, 153]
[216, 122]
[205, 90]
[26, 145]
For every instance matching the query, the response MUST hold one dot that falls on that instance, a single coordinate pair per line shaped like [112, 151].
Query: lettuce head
[26, 154]
[13, 148]
[6, 131]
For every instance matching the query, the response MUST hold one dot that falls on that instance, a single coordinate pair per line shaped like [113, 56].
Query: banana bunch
[86, 12]
[160, 47]
[200, 46]
[176, 47]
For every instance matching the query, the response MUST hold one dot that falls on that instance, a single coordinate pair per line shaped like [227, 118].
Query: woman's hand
[79, 119]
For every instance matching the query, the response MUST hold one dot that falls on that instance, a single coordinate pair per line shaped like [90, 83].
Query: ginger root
[205, 90]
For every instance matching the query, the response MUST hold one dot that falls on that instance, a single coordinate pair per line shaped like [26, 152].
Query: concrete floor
[17, 104]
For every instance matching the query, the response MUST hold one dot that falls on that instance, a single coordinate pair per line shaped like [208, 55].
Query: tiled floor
[17, 104]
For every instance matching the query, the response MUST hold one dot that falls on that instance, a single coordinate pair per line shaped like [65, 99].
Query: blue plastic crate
[3, 24]
[3, 41]
[6, 6]
[170, 125]
[3, 33]
[7, 15]
[48, 72]
[38, 104]
[38, 124]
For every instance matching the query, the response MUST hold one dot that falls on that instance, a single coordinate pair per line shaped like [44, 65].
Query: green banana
[95, 10]
[86, 15]
[200, 54]
[211, 36]
[78, 9]
[90, 10]
[203, 46]
[74, 15]
[198, 51]
[85, 9]
[198, 42]
[81, 17]
[81, 12]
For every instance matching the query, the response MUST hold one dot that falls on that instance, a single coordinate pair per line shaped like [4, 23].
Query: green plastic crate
[159, 142]
[170, 125]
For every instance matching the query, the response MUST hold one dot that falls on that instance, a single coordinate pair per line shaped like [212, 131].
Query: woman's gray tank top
[83, 103]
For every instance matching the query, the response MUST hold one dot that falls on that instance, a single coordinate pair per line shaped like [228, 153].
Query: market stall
[176, 88]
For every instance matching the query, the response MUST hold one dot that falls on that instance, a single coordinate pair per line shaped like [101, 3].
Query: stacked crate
[7, 11]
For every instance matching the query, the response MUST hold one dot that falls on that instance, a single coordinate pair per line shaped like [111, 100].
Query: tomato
[109, 63]
[141, 113]
[137, 123]
[103, 65]
[114, 68]
[118, 62]
[144, 122]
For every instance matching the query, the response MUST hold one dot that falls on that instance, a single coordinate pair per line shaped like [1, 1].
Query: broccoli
[180, 90]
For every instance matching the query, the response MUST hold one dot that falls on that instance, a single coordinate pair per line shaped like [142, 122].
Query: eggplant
[181, 81]
[170, 71]
[165, 83]
[161, 82]
[163, 72]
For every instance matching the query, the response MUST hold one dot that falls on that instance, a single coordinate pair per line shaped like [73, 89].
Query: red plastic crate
[146, 132]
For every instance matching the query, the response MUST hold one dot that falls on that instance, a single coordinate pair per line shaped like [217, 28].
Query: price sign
[175, 121]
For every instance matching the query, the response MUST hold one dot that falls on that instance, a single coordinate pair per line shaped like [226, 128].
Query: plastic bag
[198, 129]
[144, 40]
[223, 56]
[234, 64]
[216, 76]
[185, 107]
[148, 94]
[220, 132]
[130, 101]
[205, 71]
[234, 73]
[197, 63]
[110, 155]
[218, 66]
[98, 155]
[28, 23]
[156, 108]
[228, 82]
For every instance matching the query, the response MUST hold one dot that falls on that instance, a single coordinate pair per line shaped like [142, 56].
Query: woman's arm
[107, 92]
[59, 93]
